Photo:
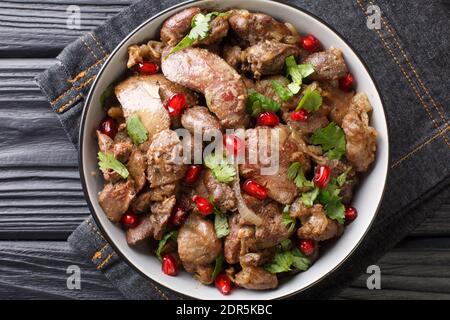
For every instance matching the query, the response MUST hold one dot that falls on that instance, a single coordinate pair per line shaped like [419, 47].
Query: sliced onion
[245, 212]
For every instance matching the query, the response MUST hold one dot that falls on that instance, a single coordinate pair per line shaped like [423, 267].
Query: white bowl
[367, 199]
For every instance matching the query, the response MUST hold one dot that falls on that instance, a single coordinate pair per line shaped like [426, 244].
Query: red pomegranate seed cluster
[148, 68]
[169, 265]
[347, 83]
[176, 104]
[322, 176]
[203, 205]
[310, 43]
[268, 119]
[350, 214]
[254, 189]
[129, 220]
[223, 284]
[307, 246]
[232, 144]
[108, 126]
[192, 174]
[300, 115]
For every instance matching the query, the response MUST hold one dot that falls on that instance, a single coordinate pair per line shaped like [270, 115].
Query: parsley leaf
[136, 129]
[331, 200]
[199, 31]
[221, 224]
[282, 262]
[285, 259]
[172, 235]
[311, 101]
[299, 260]
[343, 177]
[221, 169]
[297, 72]
[308, 198]
[288, 221]
[284, 93]
[258, 103]
[217, 266]
[295, 172]
[332, 140]
[107, 161]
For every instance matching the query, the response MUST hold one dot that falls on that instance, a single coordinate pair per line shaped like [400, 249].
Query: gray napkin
[408, 57]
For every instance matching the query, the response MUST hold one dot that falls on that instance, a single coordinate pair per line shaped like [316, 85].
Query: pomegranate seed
[176, 104]
[232, 143]
[307, 246]
[192, 174]
[300, 115]
[310, 43]
[129, 220]
[346, 83]
[223, 284]
[148, 68]
[322, 176]
[269, 119]
[108, 126]
[169, 265]
[254, 189]
[178, 216]
[203, 205]
[350, 214]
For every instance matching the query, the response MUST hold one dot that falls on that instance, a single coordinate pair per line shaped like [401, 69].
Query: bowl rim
[82, 132]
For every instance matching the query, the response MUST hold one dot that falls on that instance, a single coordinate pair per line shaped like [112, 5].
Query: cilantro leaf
[282, 262]
[107, 161]
[109, 91]
[295, 172]
[172, 235]
[311, 101]
[218, 266]
[308, 198]
[297, 72]
[285, 259]
[332, 140]
[258, 103]
[199, 30]
[221, 169]
[221, 224]
[288, 221]
[284, 93]
[343, 177]
[136, 129]
[331, 200]
[299, 260]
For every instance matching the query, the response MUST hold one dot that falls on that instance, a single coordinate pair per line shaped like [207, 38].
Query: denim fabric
[409, 58]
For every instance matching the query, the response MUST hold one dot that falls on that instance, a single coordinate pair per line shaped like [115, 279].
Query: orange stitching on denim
[95, 229]
[81, 86]
[105, 261]
[89, 48]
[97, 42]
[159, 291]
[85, 71]
[408, 61]
[418, 148]
[407, 77]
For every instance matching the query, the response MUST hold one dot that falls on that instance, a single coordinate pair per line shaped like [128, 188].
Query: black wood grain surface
[41, 200]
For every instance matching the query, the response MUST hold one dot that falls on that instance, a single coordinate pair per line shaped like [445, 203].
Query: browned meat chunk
[136, 166]
[164, 159]
[256, 259]
[205, 72]
[105, 143]
[178, 25]
[315, 223]
[150, 51]
[152, 224]
[352, 179]
[279, 186]
[266, 58]
[198, 246]
[222, 193]
[361, 138]
[116, 198]
[328, 65]
[256, 278]
[142, 202]
[256, 27]
[162, 192]
[339, 102]
[233, 55]
[232, 243]
[200, 118]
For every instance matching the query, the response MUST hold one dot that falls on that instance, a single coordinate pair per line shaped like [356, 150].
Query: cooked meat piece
[105, 143]
[222, 193]
[256, 278]
[123, 145]
[315, 223]
[116, 198]
[152, 224]
[198, 246]
[150, 51]
[205, 72]
[352, 178]
[202, 273]
[142, 202]
[257, 258]
[328, 65]
[162, 192]
[256, 27]
[168, 89]
[272, 231]
[233, 55]
[266, 58]
[338, 100]
[164, 159]
[178, 25]
[361, 138]
[264, 86]
[232, 243]
[201, 118]
[136, 166]
[279, 186]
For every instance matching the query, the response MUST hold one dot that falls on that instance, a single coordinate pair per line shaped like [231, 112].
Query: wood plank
[39, 29]
[37, 269]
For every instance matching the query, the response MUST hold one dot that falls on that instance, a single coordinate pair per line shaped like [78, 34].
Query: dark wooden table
[41, 200]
